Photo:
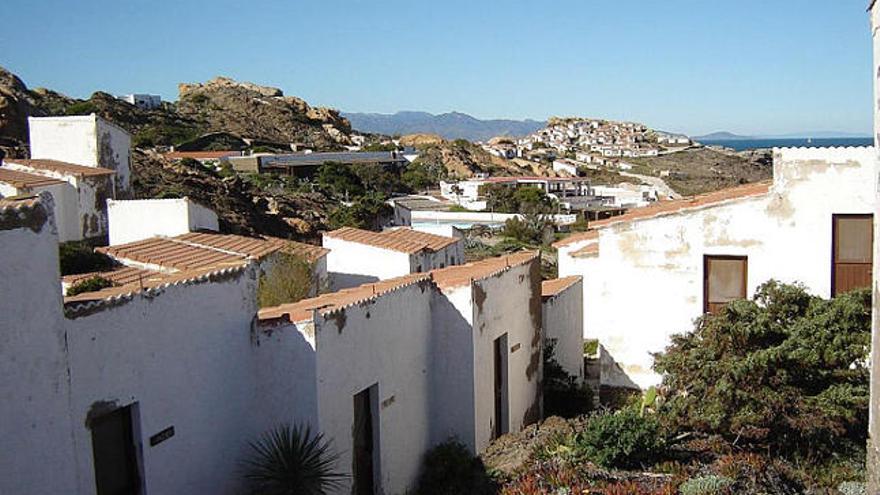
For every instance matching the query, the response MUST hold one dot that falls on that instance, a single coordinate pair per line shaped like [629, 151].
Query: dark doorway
[853, 256]
[725, 279]
[113, 447]
[500, 372]
[365, 460]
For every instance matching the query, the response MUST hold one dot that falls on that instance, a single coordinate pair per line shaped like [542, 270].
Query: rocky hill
[462, 159]
[261, 112]
[221, 105]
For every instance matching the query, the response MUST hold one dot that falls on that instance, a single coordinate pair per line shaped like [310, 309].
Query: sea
[751, 144]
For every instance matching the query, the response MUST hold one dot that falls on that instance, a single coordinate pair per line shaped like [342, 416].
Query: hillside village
[184, 278]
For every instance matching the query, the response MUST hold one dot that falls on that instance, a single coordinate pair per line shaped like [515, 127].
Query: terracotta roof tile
[158, 281]
[198, 250]
[661, 208]
[302, 310]
[120, 275]
[403, 240]
[24, 180]
[550, 288]
[62, 167]
[460, 275]
[13, 203]
[588, 251]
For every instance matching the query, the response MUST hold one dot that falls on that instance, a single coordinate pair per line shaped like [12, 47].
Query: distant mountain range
[729, 136]
[452, 125]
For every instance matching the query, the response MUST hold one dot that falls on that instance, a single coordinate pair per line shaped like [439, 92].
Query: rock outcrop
[261, 112]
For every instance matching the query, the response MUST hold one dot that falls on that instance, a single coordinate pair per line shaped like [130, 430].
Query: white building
[164, 376]
[563, 322]
[649, 273]
[360, 256]
[421, 358]
[143, 101]
[86, 140]
[565, 166]
[80, 193]
[135, 220]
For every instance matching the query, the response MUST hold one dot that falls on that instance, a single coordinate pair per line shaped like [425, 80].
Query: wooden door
[725, 279]
[852, 263]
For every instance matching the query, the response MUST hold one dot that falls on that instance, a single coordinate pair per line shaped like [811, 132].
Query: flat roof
[201, 155]
[312, 159]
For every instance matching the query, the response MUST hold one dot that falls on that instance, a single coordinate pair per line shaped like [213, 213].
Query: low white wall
[563, 317]
[656, 265]
[135, 220]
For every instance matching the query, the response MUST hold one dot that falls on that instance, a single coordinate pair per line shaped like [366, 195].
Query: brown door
[116, 471]
[852, 237]
[725, 279]
[362, 463]
[499, 360]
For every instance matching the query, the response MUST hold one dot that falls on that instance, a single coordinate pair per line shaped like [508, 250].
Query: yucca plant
[292, 460]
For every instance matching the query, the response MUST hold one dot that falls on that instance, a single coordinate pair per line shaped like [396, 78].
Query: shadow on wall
[339, 281]
[612, 375]
[452, 371]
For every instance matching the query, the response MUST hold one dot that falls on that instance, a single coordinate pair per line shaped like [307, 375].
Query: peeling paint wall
[646, 283]
[384, 342]
[510, 307]
[37, 455]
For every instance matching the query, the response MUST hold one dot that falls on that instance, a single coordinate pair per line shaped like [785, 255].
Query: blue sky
[696, 66]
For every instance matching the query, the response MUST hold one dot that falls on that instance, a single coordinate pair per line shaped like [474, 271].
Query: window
[853, 246]
[725, 279]
[116, 467]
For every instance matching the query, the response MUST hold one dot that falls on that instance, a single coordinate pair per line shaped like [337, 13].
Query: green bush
[784, 374]
[340, 180]
[82, 108]
[450, 469]
[90, 284]
[290, 460]
[288, 280]
[706, 485]
[80, 257]
[364, 213]
[528, 230]
[622, 439]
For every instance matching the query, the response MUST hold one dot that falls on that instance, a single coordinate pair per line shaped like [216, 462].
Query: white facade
[563, 323]
[181, 355]
[80, 204]
[566, 167]
[655, 263]
[424, 347]
[65, 206]
[351, 263]
[84, 140]
[134, 220]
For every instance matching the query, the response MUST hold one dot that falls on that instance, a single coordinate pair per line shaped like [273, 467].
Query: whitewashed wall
[510, 303]
[84, 140]
[135, 220]
[37, 455]
[350, 264]
[646, 283]
[563, 322]
[384, 342]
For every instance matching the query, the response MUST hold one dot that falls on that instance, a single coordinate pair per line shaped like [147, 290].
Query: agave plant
[291, 460]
